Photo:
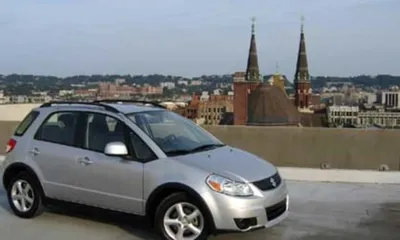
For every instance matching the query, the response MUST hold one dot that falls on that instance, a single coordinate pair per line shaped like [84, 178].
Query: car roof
[125, 108]
[132, 108]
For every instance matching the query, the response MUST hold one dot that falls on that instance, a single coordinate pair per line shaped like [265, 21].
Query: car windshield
[174, 134]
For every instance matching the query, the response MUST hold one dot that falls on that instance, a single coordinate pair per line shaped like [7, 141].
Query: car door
[109, 182]
[53, 149]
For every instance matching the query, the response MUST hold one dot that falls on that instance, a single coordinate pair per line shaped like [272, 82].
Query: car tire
[25, 196]
[168, 222]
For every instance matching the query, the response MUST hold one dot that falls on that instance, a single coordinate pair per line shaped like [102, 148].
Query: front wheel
[24, 196]
[179, 217]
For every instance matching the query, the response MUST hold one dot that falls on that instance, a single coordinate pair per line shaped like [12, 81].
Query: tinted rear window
[26, 123]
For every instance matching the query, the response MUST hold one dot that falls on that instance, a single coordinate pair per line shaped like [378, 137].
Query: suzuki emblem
[272, 182]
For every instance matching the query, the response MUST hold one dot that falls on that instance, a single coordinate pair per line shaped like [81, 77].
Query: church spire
[277, 68]
[252, 71]
[302, 74]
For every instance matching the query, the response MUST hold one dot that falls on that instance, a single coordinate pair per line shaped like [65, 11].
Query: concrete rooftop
[317, 211]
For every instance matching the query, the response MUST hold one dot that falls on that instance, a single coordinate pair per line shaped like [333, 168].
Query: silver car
[140, 158]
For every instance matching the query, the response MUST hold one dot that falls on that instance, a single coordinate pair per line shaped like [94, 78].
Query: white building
[119, 81]
[340, 115]
[204, 96]
[183, 82]
[169, 85]
[174, 105]
[217, 91]
[329, 89]
[369, 97]
[62, 93]
[389, 99]
[2, 97]
[196, 83]
[380, 118]
[19, 99]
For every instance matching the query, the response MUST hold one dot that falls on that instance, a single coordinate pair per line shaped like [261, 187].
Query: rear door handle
[84, 161]
[34, 151]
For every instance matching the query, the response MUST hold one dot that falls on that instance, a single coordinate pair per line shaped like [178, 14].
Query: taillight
[11, 145]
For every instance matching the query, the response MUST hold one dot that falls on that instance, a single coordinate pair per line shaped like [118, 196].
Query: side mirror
[117, 149]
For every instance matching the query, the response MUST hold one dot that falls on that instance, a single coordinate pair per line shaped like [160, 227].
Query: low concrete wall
[15, 112]
[301, 147]
[6, 131]
[311, 147]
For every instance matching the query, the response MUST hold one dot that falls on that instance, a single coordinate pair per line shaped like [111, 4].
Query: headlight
[229, 187]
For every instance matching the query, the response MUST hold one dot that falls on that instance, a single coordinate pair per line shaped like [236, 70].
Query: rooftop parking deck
[317, 211]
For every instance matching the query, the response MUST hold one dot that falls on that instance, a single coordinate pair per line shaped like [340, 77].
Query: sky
[191, 37]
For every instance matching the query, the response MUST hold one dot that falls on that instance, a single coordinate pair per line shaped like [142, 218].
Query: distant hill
[379, 81]
[19, 83]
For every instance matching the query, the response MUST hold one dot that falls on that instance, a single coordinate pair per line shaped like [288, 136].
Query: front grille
[269, 183]
[276, 210]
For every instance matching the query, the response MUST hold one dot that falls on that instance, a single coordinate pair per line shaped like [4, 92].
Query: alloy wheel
[183, 221]
[22, 196]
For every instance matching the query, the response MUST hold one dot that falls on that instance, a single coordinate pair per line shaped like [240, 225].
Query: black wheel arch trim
[26, 168]
[184, 188]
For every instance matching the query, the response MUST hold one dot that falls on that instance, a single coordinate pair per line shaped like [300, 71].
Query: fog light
[244, 223]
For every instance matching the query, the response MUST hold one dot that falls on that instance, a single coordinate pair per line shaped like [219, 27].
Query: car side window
[59, 127]
[26, 123]
[101, 129]
[141, 149]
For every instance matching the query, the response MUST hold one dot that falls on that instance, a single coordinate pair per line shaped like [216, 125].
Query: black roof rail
[153, 103]
[106, 107]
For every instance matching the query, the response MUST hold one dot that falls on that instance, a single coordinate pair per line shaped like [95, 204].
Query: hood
[230, 162]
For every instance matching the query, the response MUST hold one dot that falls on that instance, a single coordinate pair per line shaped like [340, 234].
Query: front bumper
[263, 210]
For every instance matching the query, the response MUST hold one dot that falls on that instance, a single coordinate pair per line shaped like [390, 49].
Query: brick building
[115, 90]
[258, 103]
[244, 83]
[211, 111]
[304, 99]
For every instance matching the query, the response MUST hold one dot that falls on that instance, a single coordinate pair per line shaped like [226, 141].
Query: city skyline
[80, 37]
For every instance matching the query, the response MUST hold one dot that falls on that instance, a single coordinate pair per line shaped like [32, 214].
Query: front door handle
[84, 161]
[34, 151]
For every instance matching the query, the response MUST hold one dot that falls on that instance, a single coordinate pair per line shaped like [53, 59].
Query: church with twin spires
[266, 103]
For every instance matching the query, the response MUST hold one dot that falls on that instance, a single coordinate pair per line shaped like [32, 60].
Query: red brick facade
[303, 95]
[240, 101]
[211, 110]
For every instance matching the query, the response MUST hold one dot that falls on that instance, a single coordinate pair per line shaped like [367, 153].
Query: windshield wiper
[196, 149]
[206, 147]
[177, 152]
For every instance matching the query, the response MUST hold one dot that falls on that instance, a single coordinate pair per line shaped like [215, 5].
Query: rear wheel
[25, 196]
[178, 217]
